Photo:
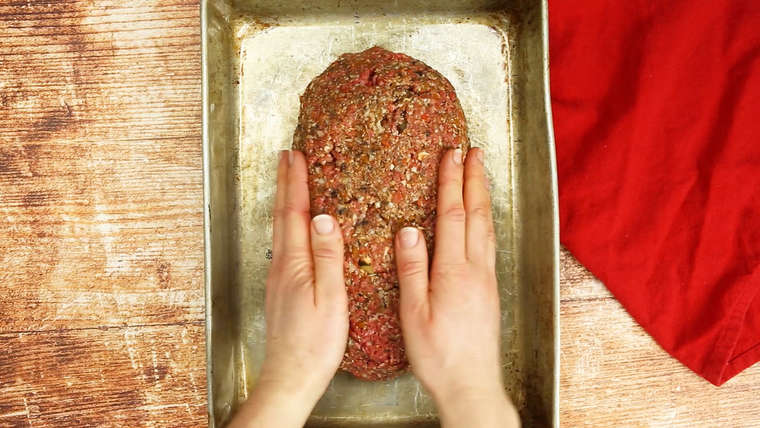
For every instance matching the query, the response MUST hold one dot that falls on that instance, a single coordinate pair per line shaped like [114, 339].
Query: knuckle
[450, 270]
[289, 210]
[455, 213]
[326, 253]
[301, 278]
[409, 268]
[491, 235]
[412, 312]
[491, 238]
[480, 212]
[286, 211]
[295, 262]
[294, 273]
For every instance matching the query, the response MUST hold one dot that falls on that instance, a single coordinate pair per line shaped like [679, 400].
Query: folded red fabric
[657, 121]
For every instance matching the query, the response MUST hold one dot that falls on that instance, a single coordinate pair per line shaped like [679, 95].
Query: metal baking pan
[258, 57]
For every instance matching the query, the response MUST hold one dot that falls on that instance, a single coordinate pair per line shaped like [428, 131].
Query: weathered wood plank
[101, 214]
[120, 377]
[100, 165]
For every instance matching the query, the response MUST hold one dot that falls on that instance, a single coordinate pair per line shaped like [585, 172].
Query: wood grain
[100, 166]
[101, 241]
[120, 377]
[101, 214]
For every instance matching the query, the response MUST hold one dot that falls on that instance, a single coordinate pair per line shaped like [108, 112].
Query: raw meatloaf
[374, 126]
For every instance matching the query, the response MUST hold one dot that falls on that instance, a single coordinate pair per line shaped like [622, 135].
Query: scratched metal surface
[275, 67]
[259, 57]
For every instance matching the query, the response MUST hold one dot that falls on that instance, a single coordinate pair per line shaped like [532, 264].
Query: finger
[295, 210]
[327, 253]
[477, 203]
[278, 229]
[450, 223]
[412, 268]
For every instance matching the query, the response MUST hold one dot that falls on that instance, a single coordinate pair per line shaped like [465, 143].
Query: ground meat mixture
[374, 126]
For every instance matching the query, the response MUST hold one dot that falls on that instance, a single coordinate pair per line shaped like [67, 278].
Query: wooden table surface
[101, 286]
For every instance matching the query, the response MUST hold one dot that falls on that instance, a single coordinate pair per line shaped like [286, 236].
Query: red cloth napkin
[657, 120]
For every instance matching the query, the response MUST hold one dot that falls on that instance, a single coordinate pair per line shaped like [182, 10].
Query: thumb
[412, 268]
[327, 253]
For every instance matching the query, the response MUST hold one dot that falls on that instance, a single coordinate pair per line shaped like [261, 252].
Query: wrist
[482, 406]
[298, 376]
[472, 387]
[272, 405]
[299, 387]
[279, 399]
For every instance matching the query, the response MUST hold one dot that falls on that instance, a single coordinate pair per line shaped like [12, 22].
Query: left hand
[306, 307]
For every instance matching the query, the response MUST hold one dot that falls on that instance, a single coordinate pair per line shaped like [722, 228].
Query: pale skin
[449, 309]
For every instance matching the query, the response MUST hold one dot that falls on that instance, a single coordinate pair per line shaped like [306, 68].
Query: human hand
[306, 307]
[450, 316]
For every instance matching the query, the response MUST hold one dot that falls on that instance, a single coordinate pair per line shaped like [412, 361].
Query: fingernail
[409, 237]
[283, 154]
[323, 224]
[290, 157]
[457, 156]
[479, 155]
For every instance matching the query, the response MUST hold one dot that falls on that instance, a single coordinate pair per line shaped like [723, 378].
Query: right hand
[450, 317]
